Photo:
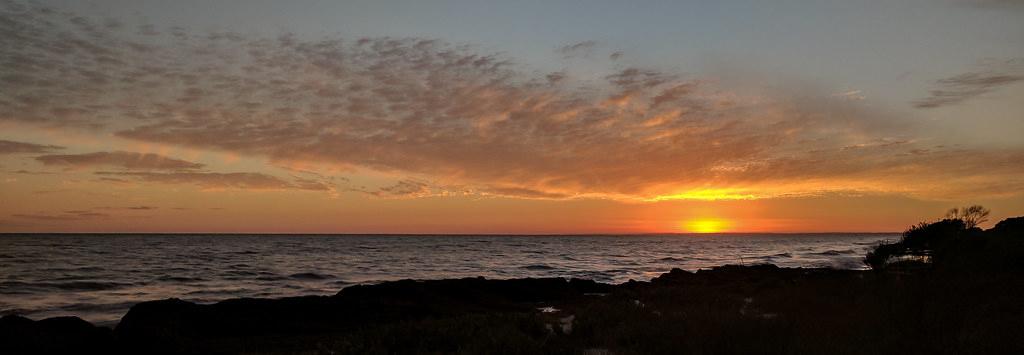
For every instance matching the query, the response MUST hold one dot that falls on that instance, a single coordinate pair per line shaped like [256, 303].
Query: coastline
[99, 278]
[761, 308]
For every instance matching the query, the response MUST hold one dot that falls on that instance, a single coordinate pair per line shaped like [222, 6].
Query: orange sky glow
[171, 129]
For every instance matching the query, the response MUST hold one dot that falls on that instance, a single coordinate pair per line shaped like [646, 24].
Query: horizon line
[436, 234]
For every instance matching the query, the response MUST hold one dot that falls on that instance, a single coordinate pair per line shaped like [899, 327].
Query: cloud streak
[12, 147]
[584, 48]
[76, 215]
[85, 214]
[127, 160]
[959, 88]
[216, 181]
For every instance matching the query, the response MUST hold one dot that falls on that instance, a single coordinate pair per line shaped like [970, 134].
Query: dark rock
[176, 326]
[674, 276]
[58, 335]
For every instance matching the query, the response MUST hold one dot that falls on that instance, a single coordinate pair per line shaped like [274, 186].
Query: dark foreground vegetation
[959, 292]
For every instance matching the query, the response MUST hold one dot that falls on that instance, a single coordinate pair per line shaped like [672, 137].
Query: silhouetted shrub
[1009, 227]
[930, 236]
[880, 256]
[953, 245]
[920, 242]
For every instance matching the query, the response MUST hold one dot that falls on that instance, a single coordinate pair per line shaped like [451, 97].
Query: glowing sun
[706, 225]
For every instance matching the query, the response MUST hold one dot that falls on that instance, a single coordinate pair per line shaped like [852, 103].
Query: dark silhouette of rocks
[58, 335]
[179, 324]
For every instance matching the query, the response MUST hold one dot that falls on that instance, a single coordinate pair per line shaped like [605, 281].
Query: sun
[706, 225]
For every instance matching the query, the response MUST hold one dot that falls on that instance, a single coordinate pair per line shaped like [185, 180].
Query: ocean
[99, 277]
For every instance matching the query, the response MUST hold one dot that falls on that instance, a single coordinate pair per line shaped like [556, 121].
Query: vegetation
[920, 243]
[955, 243]
[972, 216]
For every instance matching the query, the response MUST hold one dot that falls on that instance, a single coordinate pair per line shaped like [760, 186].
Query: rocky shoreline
[729, 309]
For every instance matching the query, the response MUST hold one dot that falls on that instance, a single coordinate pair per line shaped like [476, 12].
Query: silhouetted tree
[972, 216]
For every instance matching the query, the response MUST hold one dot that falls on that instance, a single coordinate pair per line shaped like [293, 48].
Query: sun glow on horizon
[706, 225]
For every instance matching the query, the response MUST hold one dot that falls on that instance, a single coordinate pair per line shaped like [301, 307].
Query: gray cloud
[583, 48]
[12, 147]
[959, 88]
[127, 160]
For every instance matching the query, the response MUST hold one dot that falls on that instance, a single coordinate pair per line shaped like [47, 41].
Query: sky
[507, 117]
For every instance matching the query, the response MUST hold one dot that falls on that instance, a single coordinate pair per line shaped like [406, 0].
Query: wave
[617, 271]
[66, 286]
[90, 285]
[538, 267]
[88, 268]
[868, 243]
[241, 273]
[836, 252]
[310, 276]
[594, 275]
[15, 288]
[181, 278]
[95, 307]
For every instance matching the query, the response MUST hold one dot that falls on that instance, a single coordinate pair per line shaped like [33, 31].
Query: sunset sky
[376, 116]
